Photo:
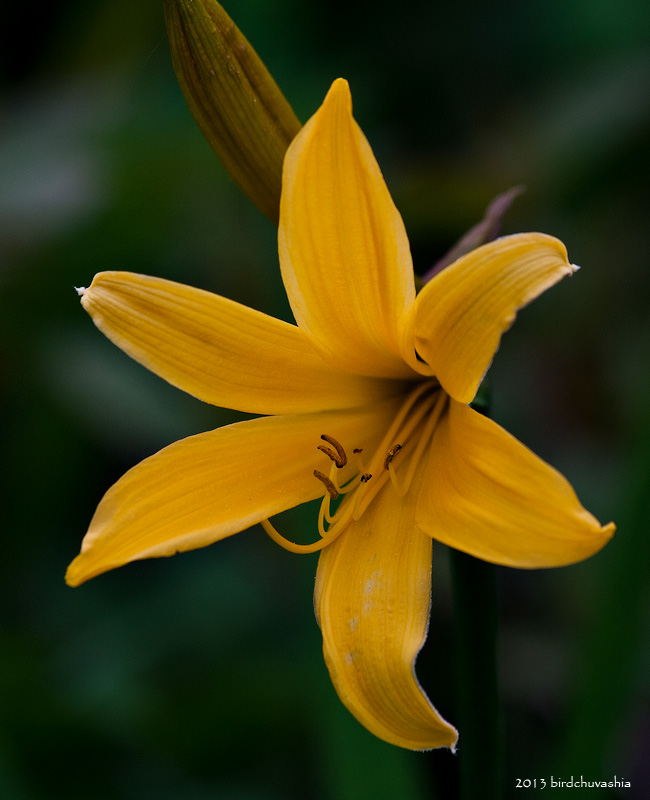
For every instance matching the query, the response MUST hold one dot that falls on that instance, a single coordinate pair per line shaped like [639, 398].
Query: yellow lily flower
[367, 398]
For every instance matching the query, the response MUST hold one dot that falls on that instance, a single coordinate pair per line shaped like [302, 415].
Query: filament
[378, 465]
[423, 441]
[365, 487]
[292, 547]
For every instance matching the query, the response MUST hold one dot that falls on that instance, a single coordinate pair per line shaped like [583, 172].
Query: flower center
[395, 459]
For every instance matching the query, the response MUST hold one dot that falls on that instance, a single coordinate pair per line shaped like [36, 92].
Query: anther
[331, 489]
[390, 455]
[338, 457]
[357, 450]
[365, 477]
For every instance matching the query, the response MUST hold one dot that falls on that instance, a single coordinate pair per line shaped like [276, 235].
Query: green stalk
[480, 748]
[478, 720]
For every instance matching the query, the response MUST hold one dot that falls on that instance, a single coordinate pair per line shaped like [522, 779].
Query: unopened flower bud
[236, 103]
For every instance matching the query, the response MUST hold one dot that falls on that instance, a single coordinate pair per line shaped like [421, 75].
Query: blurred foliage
[201, 676]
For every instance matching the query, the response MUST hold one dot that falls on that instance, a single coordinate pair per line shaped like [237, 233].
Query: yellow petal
[206, 487]
[487, 494]
[462, 312]
[372, 600]
[220, 351]
[344, 253]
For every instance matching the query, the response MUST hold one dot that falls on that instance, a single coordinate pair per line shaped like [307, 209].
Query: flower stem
[480, 746]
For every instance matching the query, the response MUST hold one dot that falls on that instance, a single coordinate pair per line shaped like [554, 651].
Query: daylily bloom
[366, 400]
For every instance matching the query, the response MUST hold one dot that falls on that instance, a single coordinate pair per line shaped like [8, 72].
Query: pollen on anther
[337, 455]
[390, 455]
[331, 489]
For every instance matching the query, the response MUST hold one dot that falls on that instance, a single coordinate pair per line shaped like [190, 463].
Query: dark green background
[201, 676]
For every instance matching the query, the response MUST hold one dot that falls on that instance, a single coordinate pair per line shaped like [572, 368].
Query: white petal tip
[574, 267]
[80, 290]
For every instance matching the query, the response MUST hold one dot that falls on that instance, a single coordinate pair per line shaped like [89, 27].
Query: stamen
[339, 457]
[324, 514]
[329, 485]
[361, 467]
[423, 441]
[404, 426]
[404, 411]
[333, 534]
[337, 521]
[351, 484]
[390, 455]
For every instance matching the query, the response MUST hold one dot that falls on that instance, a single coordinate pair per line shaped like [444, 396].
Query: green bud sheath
[233, 98]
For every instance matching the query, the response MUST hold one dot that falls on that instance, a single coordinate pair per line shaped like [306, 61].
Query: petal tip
[599, 537]
[339, 93]
[83, 568]
[74, 576]
[441, 738]
[340, 85]
[85, 292]
[608, 531]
